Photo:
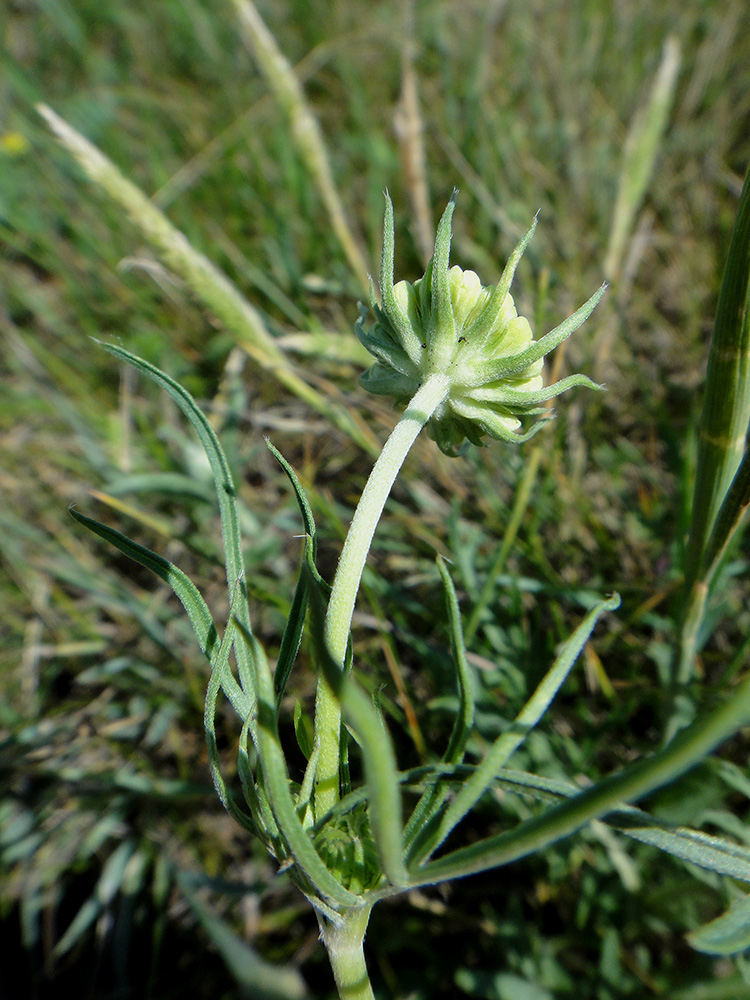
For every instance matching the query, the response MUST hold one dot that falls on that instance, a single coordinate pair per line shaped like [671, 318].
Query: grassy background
[524, 106]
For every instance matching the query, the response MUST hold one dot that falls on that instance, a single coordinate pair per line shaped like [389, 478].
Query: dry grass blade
[205, 280]
[641, 146]
[305, 129]
[409, 129]
[643, 142]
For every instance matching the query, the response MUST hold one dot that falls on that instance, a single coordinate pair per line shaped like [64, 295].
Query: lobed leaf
[225, 493]
[276, 779]
[187, 593]
[219, 668]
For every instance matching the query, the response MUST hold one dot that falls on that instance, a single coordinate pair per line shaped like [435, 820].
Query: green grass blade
[209, 285]
[520, 504]
[687, 749]
[257, 978]
[110, 881]
[722, 441]
[506, 744]
[187, 593]
[726, 408]
[728, 520]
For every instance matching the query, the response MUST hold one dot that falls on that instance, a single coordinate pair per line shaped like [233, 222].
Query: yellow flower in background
[14, 144]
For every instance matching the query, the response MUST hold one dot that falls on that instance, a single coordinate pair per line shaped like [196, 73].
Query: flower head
[447, 322]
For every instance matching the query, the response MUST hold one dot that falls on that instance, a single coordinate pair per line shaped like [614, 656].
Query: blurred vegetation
[109, 826]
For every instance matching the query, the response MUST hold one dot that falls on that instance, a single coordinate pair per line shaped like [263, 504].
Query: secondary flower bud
[448, 323]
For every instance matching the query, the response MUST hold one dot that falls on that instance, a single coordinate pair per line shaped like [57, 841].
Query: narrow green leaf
[299, 492]
[715, 854]
[728, 520]
[722, 442]
[84, 918]
[255, 795]
[225, 493]
[219, 669]
[728, 934]
[292, 637]
[107, 887]
[300, 729]
[465, 716]
[523, 494]
[166, 483]
[506, 744]
[434, 796]
[304, 799]
[113, 877]
[688, 748]
[499, 986]
[259, 978]
[276, 779]
[734, 777]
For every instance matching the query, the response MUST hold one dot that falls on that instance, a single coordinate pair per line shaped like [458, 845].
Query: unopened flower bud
[448, 323]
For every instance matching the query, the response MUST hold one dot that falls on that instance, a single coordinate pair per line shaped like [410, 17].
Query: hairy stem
[345, 946]
[349, 573]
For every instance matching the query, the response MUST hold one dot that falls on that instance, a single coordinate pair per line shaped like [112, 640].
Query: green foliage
[105, 783]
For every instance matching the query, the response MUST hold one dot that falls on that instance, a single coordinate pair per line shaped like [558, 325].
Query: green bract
[448, 323]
